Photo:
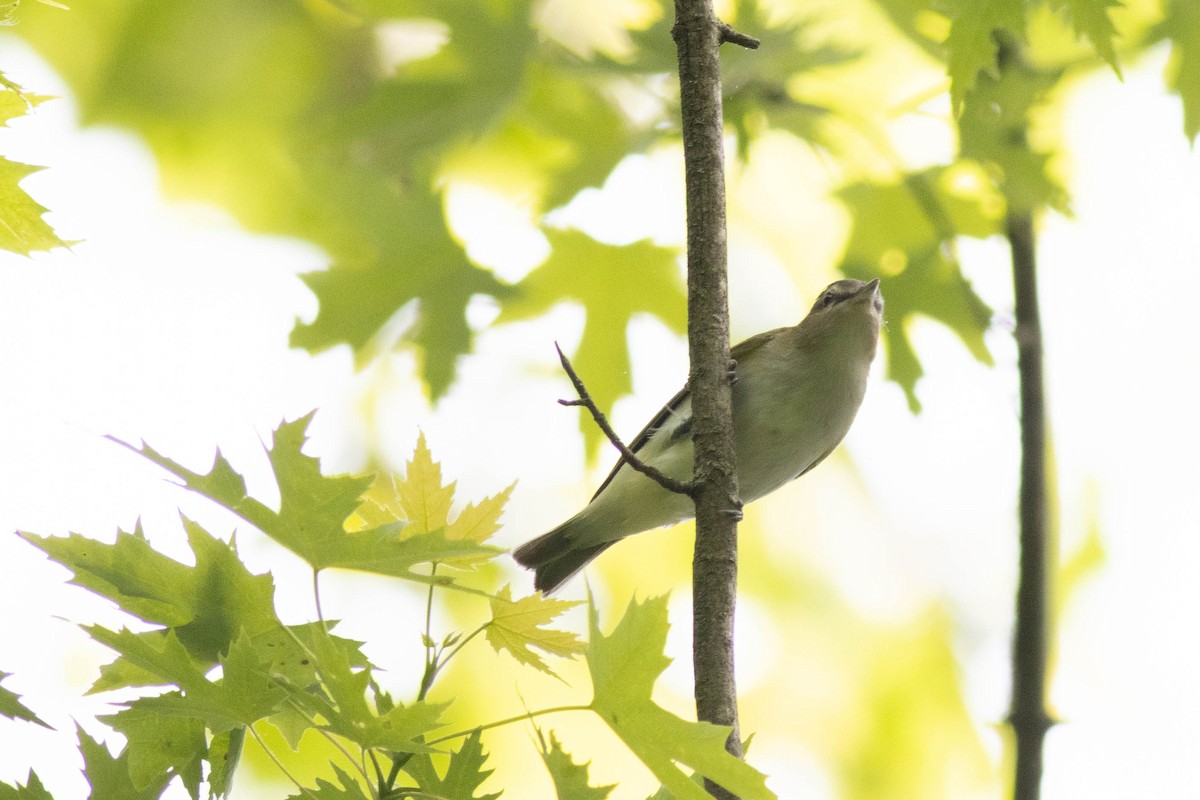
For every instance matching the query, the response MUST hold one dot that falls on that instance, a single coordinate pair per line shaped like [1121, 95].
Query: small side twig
[585, 400]
[726, 33]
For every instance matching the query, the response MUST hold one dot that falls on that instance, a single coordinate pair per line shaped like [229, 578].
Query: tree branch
[585, 399]
[1031, 634]
[728, 34]
[698, 36]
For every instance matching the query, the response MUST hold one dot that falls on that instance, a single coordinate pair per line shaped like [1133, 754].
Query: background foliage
[351, 126]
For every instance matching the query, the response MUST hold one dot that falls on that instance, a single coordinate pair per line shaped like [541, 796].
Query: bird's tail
[555, 559]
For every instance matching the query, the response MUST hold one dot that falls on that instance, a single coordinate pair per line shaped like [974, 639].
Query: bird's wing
[666, 412]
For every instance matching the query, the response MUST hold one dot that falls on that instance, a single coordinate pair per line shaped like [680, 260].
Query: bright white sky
[169, 324]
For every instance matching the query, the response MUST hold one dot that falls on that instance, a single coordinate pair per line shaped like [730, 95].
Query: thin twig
[278, 763]
[728, 34]
[507, 721]
[585, 400]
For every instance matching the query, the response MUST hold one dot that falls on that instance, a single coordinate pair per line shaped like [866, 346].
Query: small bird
[795, 393]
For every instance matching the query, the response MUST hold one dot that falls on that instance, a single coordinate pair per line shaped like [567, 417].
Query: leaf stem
[279, 763]
[317, 598]
[463, 643]
[507, 721]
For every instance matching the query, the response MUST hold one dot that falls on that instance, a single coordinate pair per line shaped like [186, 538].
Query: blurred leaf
[971, 46]
[464, 774]
[570, 779]
[909, 719]
[295, 123]
[1082, 563]
[12, 707]
[921, 23]
[613, 284]
[624, 666]
[1181, 26]
[903, 232]
[1091, 19]
[518, 625]
[993, 130]
[419, 262]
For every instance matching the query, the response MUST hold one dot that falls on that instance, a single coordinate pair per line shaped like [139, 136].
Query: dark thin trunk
[1031, 636]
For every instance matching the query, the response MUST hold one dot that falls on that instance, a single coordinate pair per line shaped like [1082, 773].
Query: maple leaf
[570, 779]
[421, 500]
[12, 707]
[624, 666]
[314, 510]
[517, 626]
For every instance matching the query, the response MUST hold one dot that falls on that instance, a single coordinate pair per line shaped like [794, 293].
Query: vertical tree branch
[1031, 636]
[698, 36]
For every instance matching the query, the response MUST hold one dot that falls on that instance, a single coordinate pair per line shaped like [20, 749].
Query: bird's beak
[870, 293]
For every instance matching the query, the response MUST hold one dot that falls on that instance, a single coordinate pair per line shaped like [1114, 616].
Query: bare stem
[1031, 634]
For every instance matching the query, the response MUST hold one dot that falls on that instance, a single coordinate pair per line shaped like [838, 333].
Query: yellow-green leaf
[426, 502]
[518, 625]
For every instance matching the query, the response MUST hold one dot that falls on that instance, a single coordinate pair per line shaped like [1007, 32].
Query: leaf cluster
[344, 123]
[213, 663]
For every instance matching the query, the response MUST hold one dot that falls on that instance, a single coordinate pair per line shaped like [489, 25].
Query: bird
[795, 392]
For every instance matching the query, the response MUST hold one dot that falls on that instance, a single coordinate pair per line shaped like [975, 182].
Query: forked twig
[585, 400]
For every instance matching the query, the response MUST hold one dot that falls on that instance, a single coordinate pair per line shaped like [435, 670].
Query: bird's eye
[827, 300]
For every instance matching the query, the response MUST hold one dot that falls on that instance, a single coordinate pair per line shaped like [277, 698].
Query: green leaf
[159, 746]
[22, 229]
[12, 707]
[463, 775]
[224, 752]
[110, 777]
[348, 790]
[244, 694]
[313, 511]
[32, 790]
[993, 130]
[624, 666]
[206, 605]
[971, 46]
[570, 779]
[600, 277]
[1181, 26]
[518, 625]
[345, 707]
[1091, 19]
[425, 265]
